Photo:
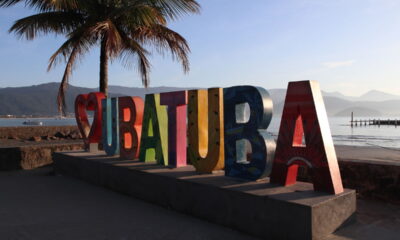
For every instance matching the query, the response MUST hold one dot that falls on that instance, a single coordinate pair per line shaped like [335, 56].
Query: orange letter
[130, 126]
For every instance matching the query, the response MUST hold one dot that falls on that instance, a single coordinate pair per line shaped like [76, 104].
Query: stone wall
[34, 155]
[370, 180]
[32, 146]
[380, 181]
[42, 132]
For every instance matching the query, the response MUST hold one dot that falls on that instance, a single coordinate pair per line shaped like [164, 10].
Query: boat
[33, 123]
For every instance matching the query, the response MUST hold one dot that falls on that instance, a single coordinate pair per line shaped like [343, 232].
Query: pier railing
[376, 122]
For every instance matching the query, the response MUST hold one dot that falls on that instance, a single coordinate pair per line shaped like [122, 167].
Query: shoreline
[55, 117]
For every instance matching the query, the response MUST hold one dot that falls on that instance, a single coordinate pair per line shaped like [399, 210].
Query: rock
[15, 137]
[35, 138]
[59, 135]
[46, 137]
[74, 135]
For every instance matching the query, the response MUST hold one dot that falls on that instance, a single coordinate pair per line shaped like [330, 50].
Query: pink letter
[176, 102]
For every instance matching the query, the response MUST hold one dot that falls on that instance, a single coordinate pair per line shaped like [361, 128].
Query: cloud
[338, 64]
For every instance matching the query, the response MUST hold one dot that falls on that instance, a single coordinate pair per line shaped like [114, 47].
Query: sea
[343, 134]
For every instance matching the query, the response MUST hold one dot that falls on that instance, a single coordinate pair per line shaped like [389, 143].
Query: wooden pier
[375, 122]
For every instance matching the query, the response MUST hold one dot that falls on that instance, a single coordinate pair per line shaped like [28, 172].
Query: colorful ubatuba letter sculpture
[89, 102]
[254, 131]
[176, 108]
[110, 126]
[154, 141]
[82, 118]
[130, 126]
[206, 129]
[304, 115]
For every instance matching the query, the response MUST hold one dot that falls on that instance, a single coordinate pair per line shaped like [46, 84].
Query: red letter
[304, 113]
[176, 102]
[82, 118]
[91, 102]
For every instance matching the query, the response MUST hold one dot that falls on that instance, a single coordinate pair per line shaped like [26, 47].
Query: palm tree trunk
[103, 67]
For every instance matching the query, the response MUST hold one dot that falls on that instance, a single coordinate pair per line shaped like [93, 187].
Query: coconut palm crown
[122, 28]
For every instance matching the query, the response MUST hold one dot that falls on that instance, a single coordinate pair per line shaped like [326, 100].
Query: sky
[350, 46]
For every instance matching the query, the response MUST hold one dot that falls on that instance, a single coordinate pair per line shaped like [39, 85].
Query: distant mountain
[41, 100]
[140, 92]
[371, 96]
[339, 106]
[277, 94]
[359, 111]
[339, 95]
[375, 95]
[36, 100]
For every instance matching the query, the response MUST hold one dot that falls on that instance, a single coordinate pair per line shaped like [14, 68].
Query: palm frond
[67, 47]
[76, 46]
[165, 39]
[133, 49]
[44, 5]
[77, 51]
[64, 82]
[139, 14]
[58, 22]
[176, 8]
[109, 32]
[122, 26]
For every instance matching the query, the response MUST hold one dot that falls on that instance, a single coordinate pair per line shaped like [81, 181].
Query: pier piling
[376, 122]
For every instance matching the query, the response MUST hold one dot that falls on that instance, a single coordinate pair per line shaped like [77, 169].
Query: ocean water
[18, 122]
[342, 132]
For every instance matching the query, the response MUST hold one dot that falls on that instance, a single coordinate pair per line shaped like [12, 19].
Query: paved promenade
[38, 205]
[371, 154]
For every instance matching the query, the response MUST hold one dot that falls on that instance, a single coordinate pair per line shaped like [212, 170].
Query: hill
[36, 100]
[360, 112]
[140, 92]
[40, 100]
[375, 95]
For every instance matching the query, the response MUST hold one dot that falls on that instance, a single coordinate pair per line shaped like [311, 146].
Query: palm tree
[122, 28]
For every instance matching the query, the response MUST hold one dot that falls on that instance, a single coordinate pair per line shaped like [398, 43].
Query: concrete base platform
[258, 208]
[15, 155]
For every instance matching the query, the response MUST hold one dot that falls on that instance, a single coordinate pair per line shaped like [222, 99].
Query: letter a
[154, 141]
[304, 115]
